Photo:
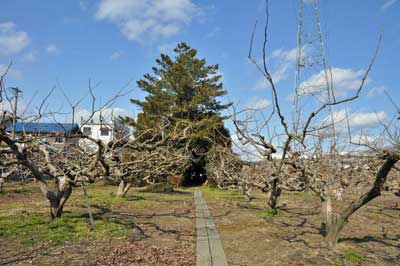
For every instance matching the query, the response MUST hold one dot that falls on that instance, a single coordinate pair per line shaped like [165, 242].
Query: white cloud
[284, 61]
[356, 119]
[387, 4]
[288, 55]
[29, 57]
[365, 139]
[7, 106]
[287, 59]
[115, 55]
[11, 40]
[366, 119]
[52, 49]
[375, 91]
[107, 114]
[261, 84]
[343, 81]
[245, 150]
[140, 18]
[257, 103]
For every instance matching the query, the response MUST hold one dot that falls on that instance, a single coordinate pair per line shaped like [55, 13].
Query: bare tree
[68, 165]
[156, 160]
[301, 164]
[290, 136]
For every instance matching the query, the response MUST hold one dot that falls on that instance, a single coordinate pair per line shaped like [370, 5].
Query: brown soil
[371, 237]
[293, 237]
[167, 221]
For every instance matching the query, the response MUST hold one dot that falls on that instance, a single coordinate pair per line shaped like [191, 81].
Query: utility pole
[16, 93]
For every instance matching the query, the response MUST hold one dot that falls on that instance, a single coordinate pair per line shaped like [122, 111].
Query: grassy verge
[354, 257]
[32, 228]
[24, 213]
[216, 193]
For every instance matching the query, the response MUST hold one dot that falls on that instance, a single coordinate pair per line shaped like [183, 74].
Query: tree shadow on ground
[174, 192]
[296, 226]
[248, 205]
[134, 198]
[301, 212]
[125, 215]
[366, 239]
[130, 221]
[13, 260]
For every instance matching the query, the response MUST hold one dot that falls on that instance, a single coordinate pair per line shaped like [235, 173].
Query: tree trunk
[58, 200]
[334, 226]
[123, 188]
[326, 212]
[274, 194]
[335, 222]
[86, 197]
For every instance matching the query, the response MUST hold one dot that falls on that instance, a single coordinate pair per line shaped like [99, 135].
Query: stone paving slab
[209, 249]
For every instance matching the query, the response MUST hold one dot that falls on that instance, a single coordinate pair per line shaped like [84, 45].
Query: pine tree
[186, 91]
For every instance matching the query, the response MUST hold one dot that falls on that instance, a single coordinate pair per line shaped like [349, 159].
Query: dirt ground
[167, 221]
[252, 237]
[159, 229]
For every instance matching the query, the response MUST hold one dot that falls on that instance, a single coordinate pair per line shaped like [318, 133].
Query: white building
[106, 132]
[99, 131]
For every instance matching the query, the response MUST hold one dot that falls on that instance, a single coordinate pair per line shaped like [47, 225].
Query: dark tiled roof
[42, 127]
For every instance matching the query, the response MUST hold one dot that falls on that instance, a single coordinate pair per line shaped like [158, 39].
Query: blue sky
[114, 42]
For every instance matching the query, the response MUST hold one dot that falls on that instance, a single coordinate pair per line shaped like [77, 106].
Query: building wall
[96, 132]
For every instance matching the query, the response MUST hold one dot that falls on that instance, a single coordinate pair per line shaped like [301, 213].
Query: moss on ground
[216, 193]
[32, 228]
[27, 221]
[354, 257]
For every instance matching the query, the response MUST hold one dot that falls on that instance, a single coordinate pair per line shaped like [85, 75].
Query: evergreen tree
[185, 91]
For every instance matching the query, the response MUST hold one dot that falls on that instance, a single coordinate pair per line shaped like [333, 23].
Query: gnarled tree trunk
[334, 223]
[123, 188]
[274, 194]
[57, 200]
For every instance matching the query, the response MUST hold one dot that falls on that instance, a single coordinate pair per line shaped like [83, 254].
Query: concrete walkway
[209, 247]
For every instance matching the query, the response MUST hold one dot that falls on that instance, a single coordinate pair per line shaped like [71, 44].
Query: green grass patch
[354, 257]
[109, 201]
[216, 193]
[33, 228]
[270, 213]
[16, 206]
[28, 242]
[105, 196]
[14, 190]
[20, 190]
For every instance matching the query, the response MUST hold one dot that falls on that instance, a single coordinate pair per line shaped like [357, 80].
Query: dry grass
[250, 234]
[253, 236]
[28, 238]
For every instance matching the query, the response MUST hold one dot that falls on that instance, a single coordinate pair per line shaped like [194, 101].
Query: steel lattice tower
[313, 76]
